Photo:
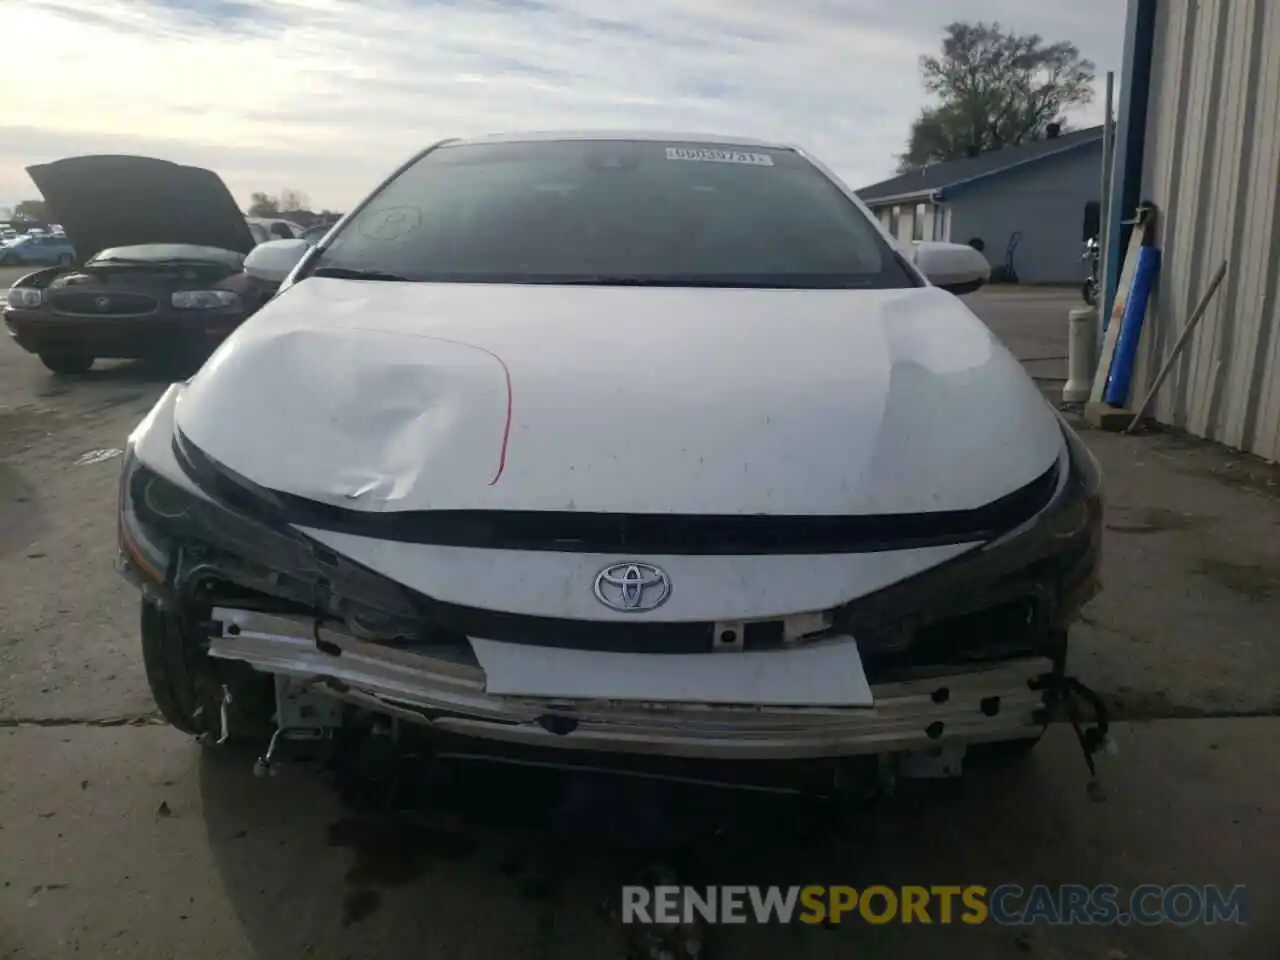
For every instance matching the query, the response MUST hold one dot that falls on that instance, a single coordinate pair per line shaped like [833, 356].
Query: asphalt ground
[120, 837]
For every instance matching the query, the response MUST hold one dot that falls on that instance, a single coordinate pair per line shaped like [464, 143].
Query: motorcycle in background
[1092, 256]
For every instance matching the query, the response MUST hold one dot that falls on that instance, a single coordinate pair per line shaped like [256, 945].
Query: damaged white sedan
[601, 445]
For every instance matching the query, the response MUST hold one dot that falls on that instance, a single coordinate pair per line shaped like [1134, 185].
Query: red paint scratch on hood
[506, 427]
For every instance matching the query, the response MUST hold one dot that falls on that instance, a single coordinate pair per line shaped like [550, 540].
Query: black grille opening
[1004, 630]
[606, 635]
[104, 304]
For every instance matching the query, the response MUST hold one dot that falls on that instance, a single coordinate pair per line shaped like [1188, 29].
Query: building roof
[936, 178]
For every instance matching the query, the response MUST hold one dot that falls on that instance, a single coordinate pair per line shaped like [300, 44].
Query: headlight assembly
[177, 544]
[27, 297]
[204, 300]
[1035, 577]
[162, 522]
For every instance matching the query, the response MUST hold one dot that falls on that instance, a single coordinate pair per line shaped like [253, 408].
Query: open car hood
[117, 201]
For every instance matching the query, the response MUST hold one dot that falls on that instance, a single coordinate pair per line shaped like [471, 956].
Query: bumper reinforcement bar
[444, 688]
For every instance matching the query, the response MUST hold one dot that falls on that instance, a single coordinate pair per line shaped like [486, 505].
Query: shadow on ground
[494, 862]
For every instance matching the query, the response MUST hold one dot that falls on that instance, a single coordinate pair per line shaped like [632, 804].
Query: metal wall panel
[1212, 167]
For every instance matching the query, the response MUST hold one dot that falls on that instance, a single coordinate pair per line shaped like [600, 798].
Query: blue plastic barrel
[1135, 309]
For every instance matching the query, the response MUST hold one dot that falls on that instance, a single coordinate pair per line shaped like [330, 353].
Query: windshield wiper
[347, 273]
[620, 280]
[780, 282]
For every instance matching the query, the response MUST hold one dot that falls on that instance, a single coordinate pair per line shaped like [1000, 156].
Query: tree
[291, 200]
[32, 210]
[263, 205]
[996, 89]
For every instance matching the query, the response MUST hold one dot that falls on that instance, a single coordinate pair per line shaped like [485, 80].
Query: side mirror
[272, 261]
[955, 267]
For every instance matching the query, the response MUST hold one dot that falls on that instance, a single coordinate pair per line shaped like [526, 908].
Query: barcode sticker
[708, 155]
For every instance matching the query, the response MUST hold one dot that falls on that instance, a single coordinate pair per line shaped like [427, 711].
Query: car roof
[645, 135]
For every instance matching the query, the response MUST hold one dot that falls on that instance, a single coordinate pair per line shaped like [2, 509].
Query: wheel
[178, 672]
[188, 687]
[67, 363]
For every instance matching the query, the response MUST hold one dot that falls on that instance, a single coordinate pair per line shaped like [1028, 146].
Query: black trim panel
[611, 533]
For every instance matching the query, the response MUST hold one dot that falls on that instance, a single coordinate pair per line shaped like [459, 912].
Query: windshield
[609, 211]
[165, 252]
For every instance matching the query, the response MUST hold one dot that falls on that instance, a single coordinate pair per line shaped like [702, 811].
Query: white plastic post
[1081, 354]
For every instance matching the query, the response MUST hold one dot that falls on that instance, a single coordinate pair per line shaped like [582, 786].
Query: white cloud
[329, 95]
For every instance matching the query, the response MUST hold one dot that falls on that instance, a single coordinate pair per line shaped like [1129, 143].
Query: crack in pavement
[135, 720]
[1119, 714]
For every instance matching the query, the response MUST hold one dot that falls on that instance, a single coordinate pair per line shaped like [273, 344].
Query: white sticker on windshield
[708, 155]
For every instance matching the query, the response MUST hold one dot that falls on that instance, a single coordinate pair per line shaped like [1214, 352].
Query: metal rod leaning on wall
[1104, 208]
[1192, 322]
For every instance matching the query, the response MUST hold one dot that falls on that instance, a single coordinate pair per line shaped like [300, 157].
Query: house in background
[1031, 205]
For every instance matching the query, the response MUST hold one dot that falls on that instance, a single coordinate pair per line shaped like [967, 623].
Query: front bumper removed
[444, 688]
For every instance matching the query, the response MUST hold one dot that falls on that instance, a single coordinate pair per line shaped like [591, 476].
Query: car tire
[67, 363]
[187, 685]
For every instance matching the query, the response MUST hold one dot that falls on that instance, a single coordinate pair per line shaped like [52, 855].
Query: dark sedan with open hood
[160, 275]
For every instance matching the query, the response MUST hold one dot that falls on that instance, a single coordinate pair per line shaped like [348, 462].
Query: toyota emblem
[632, 587]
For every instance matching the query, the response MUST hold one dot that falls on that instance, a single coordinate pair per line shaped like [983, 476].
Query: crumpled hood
[409, 396]
[119, 201]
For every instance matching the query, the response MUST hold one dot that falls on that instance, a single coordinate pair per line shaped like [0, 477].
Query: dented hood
[119, 201]
[411, 396]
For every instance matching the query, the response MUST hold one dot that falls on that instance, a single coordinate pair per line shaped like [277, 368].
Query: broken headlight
[180, 545]
[1010, 597]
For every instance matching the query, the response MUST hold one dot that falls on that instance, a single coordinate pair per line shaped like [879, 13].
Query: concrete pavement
[131, 842]
[1187, 623]
[120, 838]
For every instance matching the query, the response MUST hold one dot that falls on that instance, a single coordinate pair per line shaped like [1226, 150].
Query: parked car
[681, 458]
[36, 248]
[315, 233]
[273, 228]
[164, 275]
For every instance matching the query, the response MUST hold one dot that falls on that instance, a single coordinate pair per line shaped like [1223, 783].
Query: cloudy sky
[327, 96]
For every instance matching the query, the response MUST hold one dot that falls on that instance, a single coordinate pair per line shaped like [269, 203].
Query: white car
[635, 444]
[265, 229]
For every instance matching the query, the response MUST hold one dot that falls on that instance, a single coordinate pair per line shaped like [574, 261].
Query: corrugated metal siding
[1212, 167]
